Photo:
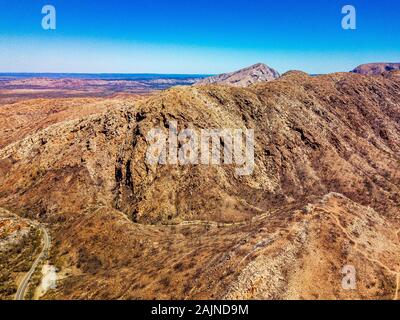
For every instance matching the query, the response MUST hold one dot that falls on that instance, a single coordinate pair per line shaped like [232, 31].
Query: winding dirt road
[20, 295]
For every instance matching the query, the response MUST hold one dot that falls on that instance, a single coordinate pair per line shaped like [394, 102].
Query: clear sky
[201, 36]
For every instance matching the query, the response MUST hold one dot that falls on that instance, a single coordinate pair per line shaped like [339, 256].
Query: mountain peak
[258, 72]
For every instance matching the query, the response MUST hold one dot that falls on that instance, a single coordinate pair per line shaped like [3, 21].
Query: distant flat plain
[22, 86]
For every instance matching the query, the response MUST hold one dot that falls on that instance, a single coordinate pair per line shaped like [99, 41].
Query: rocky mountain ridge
[324, 194]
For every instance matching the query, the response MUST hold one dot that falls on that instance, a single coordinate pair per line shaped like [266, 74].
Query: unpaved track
[366, 255]
[20, 295]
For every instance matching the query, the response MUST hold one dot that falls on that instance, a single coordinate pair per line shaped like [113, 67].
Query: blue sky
[202, 36]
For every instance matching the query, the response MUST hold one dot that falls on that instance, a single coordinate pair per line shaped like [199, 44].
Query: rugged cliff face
[325, 188]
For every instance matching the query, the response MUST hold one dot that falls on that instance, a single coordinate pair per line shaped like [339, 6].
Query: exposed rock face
[244, 77]
[376, 68]
[325, 193]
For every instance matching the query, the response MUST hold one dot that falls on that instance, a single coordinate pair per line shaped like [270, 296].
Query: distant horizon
[148, 75]
[98, 76]
[156, 74]
[106, 73]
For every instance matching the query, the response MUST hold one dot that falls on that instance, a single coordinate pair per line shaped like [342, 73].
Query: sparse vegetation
[17, 259]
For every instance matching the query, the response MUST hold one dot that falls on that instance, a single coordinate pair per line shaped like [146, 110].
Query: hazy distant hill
[244, 77]
[376, 68]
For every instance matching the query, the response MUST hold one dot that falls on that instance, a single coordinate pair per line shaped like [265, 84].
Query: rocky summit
[244, 77]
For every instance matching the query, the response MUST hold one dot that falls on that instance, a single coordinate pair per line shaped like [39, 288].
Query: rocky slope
[244, 77]
[376, 68]
[19, 244]
[324, 194]
[23, 118]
